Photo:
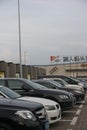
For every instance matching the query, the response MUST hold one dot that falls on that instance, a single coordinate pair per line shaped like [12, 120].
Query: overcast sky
[48, 27]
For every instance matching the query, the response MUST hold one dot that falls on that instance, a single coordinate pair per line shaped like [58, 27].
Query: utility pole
[19, 28]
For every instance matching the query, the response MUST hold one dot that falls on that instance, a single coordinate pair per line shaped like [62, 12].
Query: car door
[2, 82]
[23, 88]
[15, 85]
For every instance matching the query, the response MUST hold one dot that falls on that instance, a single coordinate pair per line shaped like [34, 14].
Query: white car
[52, 108]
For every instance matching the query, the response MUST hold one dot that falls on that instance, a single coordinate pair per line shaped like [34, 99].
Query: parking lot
[74, 119]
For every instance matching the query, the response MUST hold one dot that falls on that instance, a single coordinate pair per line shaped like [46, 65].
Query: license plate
[46, 126]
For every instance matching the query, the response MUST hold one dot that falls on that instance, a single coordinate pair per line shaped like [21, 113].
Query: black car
[66, 78]
[51, 84]
[26, 87]
[22, 115]
[69, 80]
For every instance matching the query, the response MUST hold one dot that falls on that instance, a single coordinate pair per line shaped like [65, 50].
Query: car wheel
[4, 126]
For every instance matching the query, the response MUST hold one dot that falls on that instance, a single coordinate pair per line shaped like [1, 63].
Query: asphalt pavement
[76, 119]
[79, 121]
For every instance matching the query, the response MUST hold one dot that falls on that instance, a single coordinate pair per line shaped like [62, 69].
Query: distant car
[22, 115]
[79, 95]
[26, 87]
[73, 86]
[83, 81]
[52, 108]
[67, 85]
[68, 79]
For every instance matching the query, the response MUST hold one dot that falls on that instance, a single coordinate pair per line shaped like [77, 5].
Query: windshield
[34, 85]
[56, 83]
[9, 93]
[62, 82]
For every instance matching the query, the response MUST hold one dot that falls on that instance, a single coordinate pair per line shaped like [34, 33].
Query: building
[13, 70]
[69, 69]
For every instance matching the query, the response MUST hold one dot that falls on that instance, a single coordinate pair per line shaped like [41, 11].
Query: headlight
[63, 96]
[82, 89]
[47, 107]
[81, 84]
[25, 114]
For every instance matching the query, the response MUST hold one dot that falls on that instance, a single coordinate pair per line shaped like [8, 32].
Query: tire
[4, 126]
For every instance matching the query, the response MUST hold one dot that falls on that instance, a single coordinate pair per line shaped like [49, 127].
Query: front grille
[71, 96]
[41, 114]
[54, 118]
[57, 106]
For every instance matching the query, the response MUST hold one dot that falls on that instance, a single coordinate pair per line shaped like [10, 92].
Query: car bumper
[54, 116]
[28, 124]
[66, 105]
[80, 97]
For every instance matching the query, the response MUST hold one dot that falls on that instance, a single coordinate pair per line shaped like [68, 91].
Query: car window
[34, 85]
[60, 82]
[2, 82]
[56, 83]
[70, 80]
[15, 84]
[9, 93]
[48, 85]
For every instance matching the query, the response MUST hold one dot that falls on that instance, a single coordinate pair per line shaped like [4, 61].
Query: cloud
[48, 27]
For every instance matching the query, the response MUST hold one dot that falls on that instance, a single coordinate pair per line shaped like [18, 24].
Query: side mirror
[25, 87]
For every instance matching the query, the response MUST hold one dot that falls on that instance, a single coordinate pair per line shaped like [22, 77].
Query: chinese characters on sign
[69, 59]
[75, 59]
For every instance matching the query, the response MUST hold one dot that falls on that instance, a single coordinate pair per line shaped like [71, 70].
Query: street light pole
[19, 27]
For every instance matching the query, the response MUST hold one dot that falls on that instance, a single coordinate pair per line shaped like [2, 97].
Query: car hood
[73, 86]
[53, 91]
[78, 87]
[39, 100]
[19, 104]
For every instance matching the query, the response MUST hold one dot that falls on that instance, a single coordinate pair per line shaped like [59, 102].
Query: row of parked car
[35, 104]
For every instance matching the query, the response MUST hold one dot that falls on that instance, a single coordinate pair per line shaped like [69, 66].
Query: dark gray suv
[22, 115]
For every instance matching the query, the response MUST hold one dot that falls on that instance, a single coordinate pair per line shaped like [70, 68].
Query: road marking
[80, 102]
[83, 102]
[69, 129]
[69, 111]
[74, 120]
[65, 120]
[78, 112]
[76, 106]
[80, 106]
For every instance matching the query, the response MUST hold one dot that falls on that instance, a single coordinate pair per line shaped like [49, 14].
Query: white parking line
[69, 111]
[78, 112]
[83, 102]
[65, 120]
[80, 106]
[75, 118]
[73, 122]
[76, 106]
